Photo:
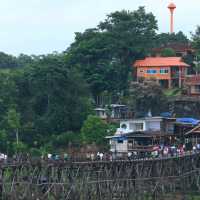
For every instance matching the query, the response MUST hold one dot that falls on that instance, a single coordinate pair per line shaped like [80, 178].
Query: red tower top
[172, 6]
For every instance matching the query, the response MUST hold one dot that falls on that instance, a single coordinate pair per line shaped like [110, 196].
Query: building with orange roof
[168, 71]
[192, 82]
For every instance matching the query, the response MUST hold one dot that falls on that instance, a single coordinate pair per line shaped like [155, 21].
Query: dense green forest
[47, 101]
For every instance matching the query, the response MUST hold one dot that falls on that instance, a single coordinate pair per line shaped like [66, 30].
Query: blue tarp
[166, 114]
[120, 138]
[188, 120]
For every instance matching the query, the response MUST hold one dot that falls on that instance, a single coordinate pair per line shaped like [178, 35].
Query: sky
[43, 26]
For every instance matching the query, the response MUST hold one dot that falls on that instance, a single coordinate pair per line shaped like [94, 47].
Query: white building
[131, 131]
[145, 124]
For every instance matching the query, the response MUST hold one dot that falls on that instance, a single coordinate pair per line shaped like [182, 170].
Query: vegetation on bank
[47, 101]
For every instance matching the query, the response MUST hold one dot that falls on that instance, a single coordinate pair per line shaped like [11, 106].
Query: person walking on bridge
[101, 156]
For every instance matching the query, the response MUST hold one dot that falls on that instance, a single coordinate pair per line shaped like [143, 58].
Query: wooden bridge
[100, 180]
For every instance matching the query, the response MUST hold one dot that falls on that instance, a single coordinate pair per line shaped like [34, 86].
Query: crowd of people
[162, 151]
[3, 156]
[158, 151]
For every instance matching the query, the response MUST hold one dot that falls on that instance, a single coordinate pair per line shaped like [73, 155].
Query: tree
[94, 130]
[105, 54]
[168, 52]
[147, 97]
[52, 99]
[19, 147]
[7, 61]
[166, 39]
[8, 95]
[13, 120]
[25, 60]
[4, 141]
[196, 39]
[65, 139]
[44, 99]
[196, 46]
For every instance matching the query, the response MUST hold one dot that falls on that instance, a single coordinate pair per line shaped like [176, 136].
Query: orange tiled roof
[160, 62]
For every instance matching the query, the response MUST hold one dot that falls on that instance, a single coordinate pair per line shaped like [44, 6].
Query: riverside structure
[101, 180]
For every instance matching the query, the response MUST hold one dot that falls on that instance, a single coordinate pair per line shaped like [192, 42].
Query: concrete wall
[153, 125]
[131, 125]
[119, 147]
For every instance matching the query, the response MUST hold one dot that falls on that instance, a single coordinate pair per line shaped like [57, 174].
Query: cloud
[42, 26]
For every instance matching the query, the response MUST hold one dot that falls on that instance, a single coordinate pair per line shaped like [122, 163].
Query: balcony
[193, 79]
[195, 89]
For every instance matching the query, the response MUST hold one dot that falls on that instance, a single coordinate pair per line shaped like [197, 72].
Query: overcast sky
[44, 26]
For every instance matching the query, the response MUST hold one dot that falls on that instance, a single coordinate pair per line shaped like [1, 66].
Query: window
[139, 126]
[164, 71]
[151, 71]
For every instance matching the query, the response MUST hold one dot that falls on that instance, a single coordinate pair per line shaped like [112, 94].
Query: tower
[172, 7]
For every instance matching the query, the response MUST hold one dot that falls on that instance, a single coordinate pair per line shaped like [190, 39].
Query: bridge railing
[36, 160]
